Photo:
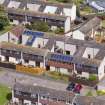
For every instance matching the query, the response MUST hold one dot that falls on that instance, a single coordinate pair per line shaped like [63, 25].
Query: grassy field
[5, 94]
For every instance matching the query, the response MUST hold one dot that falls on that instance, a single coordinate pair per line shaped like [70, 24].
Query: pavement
[9, 77]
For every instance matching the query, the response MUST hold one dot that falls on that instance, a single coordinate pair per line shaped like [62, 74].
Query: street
[9, 77]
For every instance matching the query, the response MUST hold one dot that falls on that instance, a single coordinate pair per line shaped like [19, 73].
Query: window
[39, 45]
[38, 64]
[79, 72]
[26, 61]
[89, 56]
[11, 20]
[67, 52]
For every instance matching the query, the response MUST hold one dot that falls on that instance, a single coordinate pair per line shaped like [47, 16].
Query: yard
[57, 76]
[103, 23]
[5, 94]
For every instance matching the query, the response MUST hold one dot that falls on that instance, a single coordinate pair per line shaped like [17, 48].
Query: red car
[77, 88]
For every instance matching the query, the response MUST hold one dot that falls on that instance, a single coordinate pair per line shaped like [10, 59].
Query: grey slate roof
[25, 49]
[36, 14]
[93, 23]
[62, 95]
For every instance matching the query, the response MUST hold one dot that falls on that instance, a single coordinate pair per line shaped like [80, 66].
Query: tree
[39, 26]
[4, 20]
[1, 26]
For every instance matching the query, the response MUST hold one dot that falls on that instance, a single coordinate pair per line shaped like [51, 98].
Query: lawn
[103, 23]
[5, 94]
[86, 10]
[57, 76]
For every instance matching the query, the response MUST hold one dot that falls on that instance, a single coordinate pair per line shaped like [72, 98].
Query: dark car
[70, 86]
[77, 88]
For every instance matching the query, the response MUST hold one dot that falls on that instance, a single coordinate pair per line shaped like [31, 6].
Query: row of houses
[23, 94]
[54, 14]
[54, 53]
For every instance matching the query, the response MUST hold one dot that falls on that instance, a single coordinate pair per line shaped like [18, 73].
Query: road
[9, 76]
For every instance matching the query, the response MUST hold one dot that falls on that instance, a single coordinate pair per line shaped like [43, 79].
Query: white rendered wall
[13, 4]
[16, 22]
[38, 41]
[12, 59]
[27, 102]
[71, 48]
[2, 1]
[85, 74]
[50, 9]
[64, 71]
[24, 39]
[2, 58]
[61, 70]
[32, 63]
[67, 24]
[33, 7]
[4, 37]
[73, 13]
[41, 64]
[101, 68]
[60, 44]
[78, 35]
[13, 39]
[91, 51]
[67, 11]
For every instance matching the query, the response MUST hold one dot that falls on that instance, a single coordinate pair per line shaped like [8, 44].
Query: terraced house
[54, 14]
[73, 57]
[33, 95]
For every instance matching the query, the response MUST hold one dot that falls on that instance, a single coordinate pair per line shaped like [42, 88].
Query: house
[87, 30]
[14, 35]
[19, 54]
[54, 14]
[98, 5]
[28, 94]
[69, 57]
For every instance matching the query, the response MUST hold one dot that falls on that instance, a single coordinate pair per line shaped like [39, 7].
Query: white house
[87, 30]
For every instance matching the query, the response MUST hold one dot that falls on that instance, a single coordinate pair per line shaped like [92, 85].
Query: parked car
[70, 86]
[77, 88]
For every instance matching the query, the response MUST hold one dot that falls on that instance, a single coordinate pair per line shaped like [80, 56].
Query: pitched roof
[17, 30]
[25, 49]
[93, 23]
[60, 95]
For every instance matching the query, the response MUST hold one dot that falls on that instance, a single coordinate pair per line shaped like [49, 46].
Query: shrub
[92, 77]
[100, 92]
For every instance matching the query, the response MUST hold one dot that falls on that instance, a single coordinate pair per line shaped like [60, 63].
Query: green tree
[39, 26]
[1, 26]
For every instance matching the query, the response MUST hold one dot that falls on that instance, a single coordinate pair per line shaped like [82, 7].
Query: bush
[92, 77]
[1, 26]
[100, 92]
[59, 31]
[4, 20]
[89, 93]
[39, 26]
